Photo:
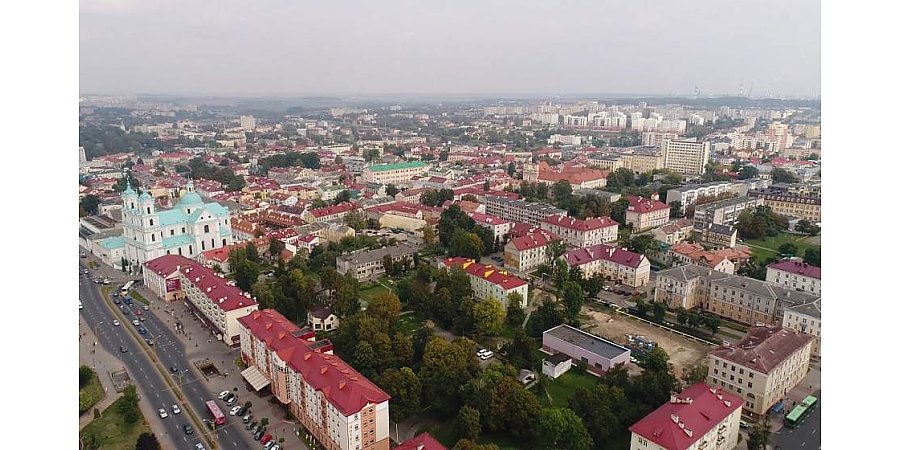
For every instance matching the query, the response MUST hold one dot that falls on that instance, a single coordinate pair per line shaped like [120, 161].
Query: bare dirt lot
[683, 353]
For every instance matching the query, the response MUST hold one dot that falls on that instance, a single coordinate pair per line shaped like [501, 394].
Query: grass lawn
[561, 389]
[137, 296]
[772, 243]
[443, 432]
[367, 295]
[409, 323]
[93, 391]
[112, 432]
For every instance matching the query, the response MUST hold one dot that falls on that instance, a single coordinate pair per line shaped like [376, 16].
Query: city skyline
[276, 49]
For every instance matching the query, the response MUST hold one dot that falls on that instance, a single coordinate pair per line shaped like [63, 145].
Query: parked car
[231, 400]
[199, 446]
[148, 341]
[123, 349]
[234, 410]
[138, 311]
[146, 308]
[269, 444]
[247, 417]
[251, 425]
[275, 447]
[162, 413]
[258, 435]
[135, 323]
[173, 369]
[117, 301]
[176, 409]
[142, 330]
[266, 438]
[188, 429]
[115, 322]
[486, 355]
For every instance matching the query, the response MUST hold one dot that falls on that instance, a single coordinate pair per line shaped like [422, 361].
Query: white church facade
[188, 229]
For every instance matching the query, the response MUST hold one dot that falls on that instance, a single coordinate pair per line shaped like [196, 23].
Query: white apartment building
[248, 123]
[689, 193]
[762, 367]
[656, 138]
[641, 163]
[366, 265]
[806, 318]
[398, 174]
[613, 263]
[795, 274]
[489, 281]
[565, 139]
[499, 227]
[723, 212]
[340, 407]
[519, 210]
[582, 233]
[685, 157]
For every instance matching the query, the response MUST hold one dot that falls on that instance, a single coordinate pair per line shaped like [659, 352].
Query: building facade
[596, 354]
[520, 211]
[366, 265]
[723, 212]
[795, 274]
[807, 319]
[685, 157]
[488, 281]
[398, 174]
[646, 213]
[582, 233]
[689, 193]
[762, 368]
[809, 208]
[340, 407]
[613, 263]
[525, 253]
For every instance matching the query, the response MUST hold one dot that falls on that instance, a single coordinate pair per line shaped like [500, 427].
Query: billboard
[173, 284]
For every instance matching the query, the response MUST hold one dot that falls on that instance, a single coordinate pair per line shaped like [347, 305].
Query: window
[153, 237]
[171, 232]
[182, 230]
[202, 245]
[223, 243]
[179, 250]
[740, 381]
[206, 228]
[148, 212]
[732, 378]
[716, 371]
[151, 222]
[750, 384]
[742, 371]
[167, 252]
[190, 249]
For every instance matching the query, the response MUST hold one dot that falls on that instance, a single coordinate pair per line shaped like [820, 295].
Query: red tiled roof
[220, 290]
[617, 255]
[764, 348]
[487, 219]
[537, 239]
[217, 254]
[344, 387]
[332, 210]
[644, 205]
[798, 268]
[687, 417]
[423, 441]
[490, 273]
[594, 223]
[167, 265]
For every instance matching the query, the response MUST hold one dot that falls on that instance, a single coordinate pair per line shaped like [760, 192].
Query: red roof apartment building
[582, 233]
[341, 408]
[613, 263]
[487, 280]
[646, 213]
[700, 417]
[525, 253]
[795, 274]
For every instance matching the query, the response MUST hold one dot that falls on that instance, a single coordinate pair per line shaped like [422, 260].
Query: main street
[170, 353]
[806, 436]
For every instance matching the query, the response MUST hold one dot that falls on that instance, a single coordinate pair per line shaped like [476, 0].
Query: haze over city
[271, 47]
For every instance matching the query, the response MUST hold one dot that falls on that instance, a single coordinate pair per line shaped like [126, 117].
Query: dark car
[188, 429]
[142, 330]
[173, 369]
[123, 349]
[258, 435]
[251, 426]
[117, 301]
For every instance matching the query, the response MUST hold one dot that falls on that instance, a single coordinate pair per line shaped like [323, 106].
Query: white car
[480, 352]
[162, 413]
[486, 355]
[176, 409]
[234, 410]
[223, 394]
[116, 322]
[135, 323]
[80, 305]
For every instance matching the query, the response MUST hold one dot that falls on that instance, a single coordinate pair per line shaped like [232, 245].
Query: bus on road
[213, 408]
[801, 412]
[126, 287]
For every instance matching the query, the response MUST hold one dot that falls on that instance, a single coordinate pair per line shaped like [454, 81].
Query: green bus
[801, 412]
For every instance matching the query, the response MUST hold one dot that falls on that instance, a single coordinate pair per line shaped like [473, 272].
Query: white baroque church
[188, 229]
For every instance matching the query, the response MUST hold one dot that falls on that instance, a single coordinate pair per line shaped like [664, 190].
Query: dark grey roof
[721, 229]
[587, 341]
[557, 358]
[811, 309]
[367, 256]
[725, 203]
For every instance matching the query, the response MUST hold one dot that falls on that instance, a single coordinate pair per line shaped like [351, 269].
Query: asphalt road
[808, 436]
[157, 393]
[170, 352]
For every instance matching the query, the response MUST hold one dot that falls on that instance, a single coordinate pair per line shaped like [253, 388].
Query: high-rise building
[248, 123]
[685, 157]
[82, 158]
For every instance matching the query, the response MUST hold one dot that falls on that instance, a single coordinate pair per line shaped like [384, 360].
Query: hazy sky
[294, 47]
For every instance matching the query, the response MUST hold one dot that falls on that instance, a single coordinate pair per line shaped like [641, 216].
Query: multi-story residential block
[567, 139]
[646, 213]
[718, 235]
[642, 162]
[582, 233]
[656, 138]
[685, 157]
[742, 299]
[525, 253]
[723, 212]
[616, 264]
[248, 123]
[685, 253]
[398, 174]
[488, 281]
[795, 274]
[499, 227]
[215, 300]
[340, 407]
[366, 265]
[520, 210]
[699, 418]
[578, 177]
[675, 231]
[596, 354]
[762, 367]
[806, 318]
[689, 193]
[328, 213]
[809, 189]
[188, 229]
[809, 208]
[609, 163]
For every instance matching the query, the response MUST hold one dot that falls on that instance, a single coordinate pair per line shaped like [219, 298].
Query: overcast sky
[294, 47]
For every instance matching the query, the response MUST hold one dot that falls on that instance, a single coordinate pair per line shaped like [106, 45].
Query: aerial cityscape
[448, 269]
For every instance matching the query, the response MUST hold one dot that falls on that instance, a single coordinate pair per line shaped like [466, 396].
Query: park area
[111, 431]
[90, 392]
[683, 353]
[765, 249]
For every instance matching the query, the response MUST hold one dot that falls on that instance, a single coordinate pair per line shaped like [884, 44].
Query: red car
[266, 438]
[138, 311]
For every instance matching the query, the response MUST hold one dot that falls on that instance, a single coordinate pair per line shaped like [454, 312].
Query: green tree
[783, 176]
[445, 367]
[405, 390]
[388, 264]
[252, 253]
[275, 248]
[573, 299]
[466, 444]
[489, 315]
[364, 359]
[513, 408]
[659, 311]
[676, 210]
[642, 307]
[681, 315]
[515, 315]
[813, 256]
[788, 248]
[91, 204]
[85, 374]
[245, 273]
[392, 190]
[468, 423]
[519, 351]
[128, 405]
[385, 308]
[466, 245]
[759, 435]
[712, 323]
[696, 374]
[547, 316]
[147, 441]
[562, 429]
[592, 285]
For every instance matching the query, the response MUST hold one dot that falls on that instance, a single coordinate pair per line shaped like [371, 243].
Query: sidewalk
[103, 363]
[200, 343]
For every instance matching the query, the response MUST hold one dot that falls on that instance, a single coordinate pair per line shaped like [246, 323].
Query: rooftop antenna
[741, 90]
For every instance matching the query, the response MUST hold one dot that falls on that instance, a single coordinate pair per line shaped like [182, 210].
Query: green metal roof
[397, 166]
[177, 241]
[113, 242]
